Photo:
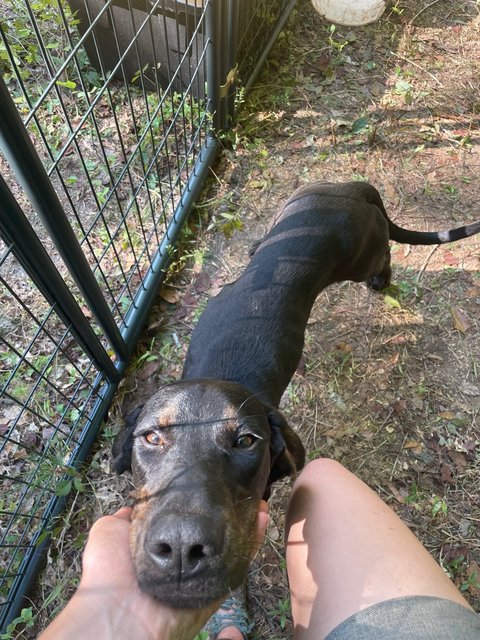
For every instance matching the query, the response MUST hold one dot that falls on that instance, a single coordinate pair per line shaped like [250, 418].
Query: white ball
[351, 13]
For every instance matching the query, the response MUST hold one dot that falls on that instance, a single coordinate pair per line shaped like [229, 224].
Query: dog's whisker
[247, 499]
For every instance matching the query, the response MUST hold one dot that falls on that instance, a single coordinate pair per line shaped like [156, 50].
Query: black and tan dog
[204, 450]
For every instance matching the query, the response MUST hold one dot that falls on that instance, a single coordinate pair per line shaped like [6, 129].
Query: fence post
[269, 45]
[220, 73]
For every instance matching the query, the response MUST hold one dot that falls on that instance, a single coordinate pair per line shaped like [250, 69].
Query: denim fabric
[410, 618]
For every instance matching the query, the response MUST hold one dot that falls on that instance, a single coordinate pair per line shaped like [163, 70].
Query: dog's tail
[406, 236]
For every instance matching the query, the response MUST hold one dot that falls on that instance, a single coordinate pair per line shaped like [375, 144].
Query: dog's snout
[180, 545]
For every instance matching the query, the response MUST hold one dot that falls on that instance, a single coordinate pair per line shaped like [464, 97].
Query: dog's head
[202, 453]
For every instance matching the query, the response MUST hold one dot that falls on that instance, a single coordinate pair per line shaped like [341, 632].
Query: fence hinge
[231, 77]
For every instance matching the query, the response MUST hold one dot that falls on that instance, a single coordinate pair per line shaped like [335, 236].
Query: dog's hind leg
[381, 280]
[253, 248]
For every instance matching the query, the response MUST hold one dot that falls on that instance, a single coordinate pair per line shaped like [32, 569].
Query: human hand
[109, 575]
[109, 602]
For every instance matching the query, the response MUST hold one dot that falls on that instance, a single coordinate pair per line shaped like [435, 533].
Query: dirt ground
[389, 384]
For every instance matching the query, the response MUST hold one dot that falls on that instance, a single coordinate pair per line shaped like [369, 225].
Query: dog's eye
[153, 438]
[245, 441]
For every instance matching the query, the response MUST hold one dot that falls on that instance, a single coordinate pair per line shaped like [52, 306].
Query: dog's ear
[123, 443]
[287, 452]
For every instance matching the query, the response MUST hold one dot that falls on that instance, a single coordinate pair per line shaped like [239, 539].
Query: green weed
[472, 582]
[282, 612]
[439, 506]
[25, 621]
[414, 497]
[455, 566]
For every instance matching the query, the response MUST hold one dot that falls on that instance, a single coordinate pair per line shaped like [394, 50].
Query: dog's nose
[182, 544]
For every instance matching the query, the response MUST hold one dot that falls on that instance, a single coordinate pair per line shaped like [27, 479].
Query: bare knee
[319, 477]
[320, 472]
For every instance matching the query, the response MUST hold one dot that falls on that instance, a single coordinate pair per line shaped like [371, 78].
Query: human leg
[347, 550]
[230, 622]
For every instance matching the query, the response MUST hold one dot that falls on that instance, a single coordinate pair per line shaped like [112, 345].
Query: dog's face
[202, 454]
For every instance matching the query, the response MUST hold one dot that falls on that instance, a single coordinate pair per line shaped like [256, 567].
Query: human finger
[261, 526]
[124, 513]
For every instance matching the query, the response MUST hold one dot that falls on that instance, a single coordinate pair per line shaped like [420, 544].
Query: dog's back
[252, 332]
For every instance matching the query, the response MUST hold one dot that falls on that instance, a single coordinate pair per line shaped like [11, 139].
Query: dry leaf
[412, 444]
[473, 292]
[394, 359]
[345, 347]
[367, 435]
[399, 497]
[447, 415]
[446, 473]
[399, 405]
[459, 459]
[461, 321]
[450, 259]
[170, 295]
[470, 389]
[148, 370]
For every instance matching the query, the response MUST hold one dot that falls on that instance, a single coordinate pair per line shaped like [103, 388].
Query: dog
[205, 449]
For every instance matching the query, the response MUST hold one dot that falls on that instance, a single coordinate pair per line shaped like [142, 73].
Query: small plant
[439, 506]
[472, 582]
[282, 612]
[454, 567]
[400, 292]
[414, 497]
[227, 222]
[451, 190]
[396, 9]
[225, 214]
[150, 355]
[338, 44]
[25, 620]
[72, 481]
[404, 89]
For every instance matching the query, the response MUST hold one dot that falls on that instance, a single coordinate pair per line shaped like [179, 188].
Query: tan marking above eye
[154, 438]
[167, 416]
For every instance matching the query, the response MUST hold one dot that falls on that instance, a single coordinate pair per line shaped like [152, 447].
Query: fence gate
[109, 111]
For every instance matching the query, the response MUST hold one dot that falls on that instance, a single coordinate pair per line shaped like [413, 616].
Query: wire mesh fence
[108, 116]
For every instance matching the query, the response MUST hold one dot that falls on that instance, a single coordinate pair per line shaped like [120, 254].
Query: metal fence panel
[108, 115]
